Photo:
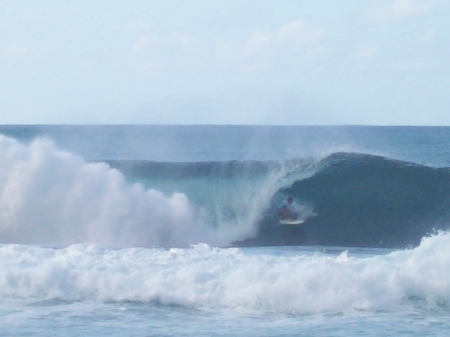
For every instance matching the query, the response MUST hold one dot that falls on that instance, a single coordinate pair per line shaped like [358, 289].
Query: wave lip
[366, 201]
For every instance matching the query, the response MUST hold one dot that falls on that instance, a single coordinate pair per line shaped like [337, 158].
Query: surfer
[283, 209]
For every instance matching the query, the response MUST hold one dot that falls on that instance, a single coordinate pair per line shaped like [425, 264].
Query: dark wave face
[347, 199]
[364, 200]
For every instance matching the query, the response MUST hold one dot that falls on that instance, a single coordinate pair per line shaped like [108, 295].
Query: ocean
[129, 230]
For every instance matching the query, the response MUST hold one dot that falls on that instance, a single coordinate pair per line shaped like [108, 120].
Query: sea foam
[246, 279]
[49, 196]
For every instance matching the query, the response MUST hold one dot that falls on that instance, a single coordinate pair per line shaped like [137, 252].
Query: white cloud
[14, 52]
[257, 43]
[408, 8]
[428, 35]
[280, 47]
[141, 44]
[186, 40]
[367, 52]
[299, 34]
[399, 9]
[151, 52]
[296, 34]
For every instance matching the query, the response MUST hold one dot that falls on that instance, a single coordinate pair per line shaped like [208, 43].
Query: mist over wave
[49, 196]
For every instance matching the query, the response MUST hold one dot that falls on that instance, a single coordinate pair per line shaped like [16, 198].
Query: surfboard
[291, 221]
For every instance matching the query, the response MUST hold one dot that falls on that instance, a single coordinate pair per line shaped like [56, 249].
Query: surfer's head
[290, 200]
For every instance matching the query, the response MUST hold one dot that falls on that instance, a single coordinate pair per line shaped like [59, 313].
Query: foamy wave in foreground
[204, 277]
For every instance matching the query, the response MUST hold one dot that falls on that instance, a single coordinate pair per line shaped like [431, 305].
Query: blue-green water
[126, 231]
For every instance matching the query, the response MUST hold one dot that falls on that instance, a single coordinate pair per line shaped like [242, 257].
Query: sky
[259, 62]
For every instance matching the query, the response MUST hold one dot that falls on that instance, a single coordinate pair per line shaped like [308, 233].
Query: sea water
[133, 231]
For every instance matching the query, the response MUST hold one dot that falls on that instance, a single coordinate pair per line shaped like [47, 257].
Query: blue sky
[374, 62]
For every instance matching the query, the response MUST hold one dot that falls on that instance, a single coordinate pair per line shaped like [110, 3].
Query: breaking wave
[52, 197]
